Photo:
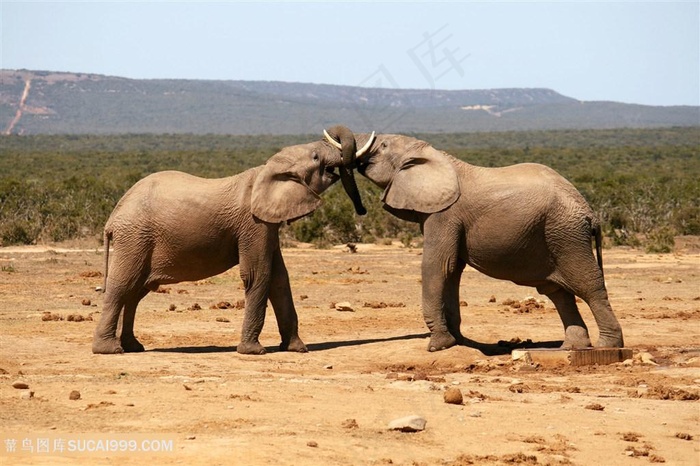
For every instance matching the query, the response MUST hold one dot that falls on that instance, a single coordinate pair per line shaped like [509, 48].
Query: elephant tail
[597, 234]
[108, 238]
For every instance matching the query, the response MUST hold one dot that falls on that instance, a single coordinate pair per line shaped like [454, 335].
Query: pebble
[453, 396]
[74, 395]
[344, 307]
[27, 395]
[20, 385]
[411, 423]
[312, 444]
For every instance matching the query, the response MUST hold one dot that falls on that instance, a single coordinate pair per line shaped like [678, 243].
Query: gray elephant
[524, 223]
[172, 227]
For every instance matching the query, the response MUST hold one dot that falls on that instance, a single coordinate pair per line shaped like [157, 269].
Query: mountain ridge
[46, 102]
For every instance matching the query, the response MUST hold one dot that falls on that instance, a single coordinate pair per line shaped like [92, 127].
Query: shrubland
[643, 183]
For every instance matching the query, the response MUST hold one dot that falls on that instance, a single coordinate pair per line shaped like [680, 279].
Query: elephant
[171, 227]
[524, 223]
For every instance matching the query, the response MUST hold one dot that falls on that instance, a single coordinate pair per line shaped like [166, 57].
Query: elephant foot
[250, 347]
[576, 337]
[610, 342]
[441, 341]
[132, 345]
[295, 344]
[106, 346]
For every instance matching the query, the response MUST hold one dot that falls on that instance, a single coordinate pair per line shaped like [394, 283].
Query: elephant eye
[315, 157]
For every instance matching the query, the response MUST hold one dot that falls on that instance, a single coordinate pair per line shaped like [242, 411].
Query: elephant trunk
[348, 151]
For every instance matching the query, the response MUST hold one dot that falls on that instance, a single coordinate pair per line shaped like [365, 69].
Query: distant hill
[41, 102]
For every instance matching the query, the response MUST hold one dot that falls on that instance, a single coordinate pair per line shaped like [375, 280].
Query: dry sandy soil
[364, 369]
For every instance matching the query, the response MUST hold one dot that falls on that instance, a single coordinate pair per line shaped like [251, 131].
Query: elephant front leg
[283, 305]
[441, 272]
[256, 276]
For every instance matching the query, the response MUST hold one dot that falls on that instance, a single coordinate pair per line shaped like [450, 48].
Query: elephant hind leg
[129, 342]
[575, 330]
[105, 337]
[610, 331]
[584, 279]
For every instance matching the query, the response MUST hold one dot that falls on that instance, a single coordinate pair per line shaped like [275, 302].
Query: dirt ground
[365, 368]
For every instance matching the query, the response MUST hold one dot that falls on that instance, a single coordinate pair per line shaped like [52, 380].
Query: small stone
[453, 396]
[350, 424]
[27, 395]
[312, 444]
[190, 437]
[411, 423]
[222, 319]
[74, 395]
[492, 299]
[86, 302]
[20, 385]
[344, 307]
[475, 414]
[328, 366]
[98, 288]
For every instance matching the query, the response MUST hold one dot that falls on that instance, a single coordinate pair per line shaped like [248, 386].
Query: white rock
[411, 423]
[521, 355]
[647, 358]
[344, 307]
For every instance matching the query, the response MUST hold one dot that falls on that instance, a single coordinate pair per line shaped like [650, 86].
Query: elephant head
[342, 138]
[416, 177]
[288, 187]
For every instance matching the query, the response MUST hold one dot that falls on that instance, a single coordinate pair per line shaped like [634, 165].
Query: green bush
[660, 240]
[640, 182]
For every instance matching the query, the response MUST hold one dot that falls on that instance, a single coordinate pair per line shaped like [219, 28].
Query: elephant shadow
[503, 347]
[488, 349]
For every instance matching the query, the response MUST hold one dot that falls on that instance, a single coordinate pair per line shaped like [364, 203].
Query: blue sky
[635, 52]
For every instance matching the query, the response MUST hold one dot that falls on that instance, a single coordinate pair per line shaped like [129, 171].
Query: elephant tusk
[335, 143]
[366, 146]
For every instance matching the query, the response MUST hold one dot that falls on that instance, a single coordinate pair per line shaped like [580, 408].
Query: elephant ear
[424, 183]
[281, 195]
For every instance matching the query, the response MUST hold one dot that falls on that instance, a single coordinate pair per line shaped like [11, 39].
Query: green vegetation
[642, 182]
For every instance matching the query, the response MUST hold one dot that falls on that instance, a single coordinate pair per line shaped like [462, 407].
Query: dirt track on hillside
[365, 368]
